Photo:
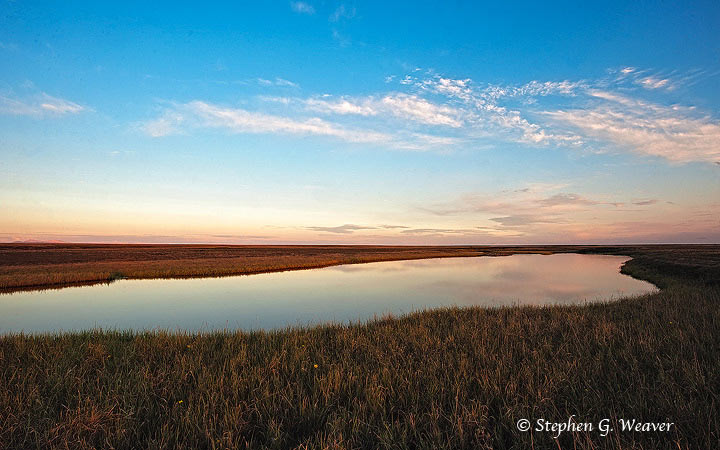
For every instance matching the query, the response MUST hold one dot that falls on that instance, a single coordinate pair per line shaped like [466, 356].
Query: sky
[322, 122]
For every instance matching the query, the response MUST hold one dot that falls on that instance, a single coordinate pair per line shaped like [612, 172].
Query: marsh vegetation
[449, 378]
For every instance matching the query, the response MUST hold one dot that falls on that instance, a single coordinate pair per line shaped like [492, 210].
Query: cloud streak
[426, 110]
[199, 114]
[39, 105]
[302, 8]
[674, 133]
[348, 228]
[408, 107]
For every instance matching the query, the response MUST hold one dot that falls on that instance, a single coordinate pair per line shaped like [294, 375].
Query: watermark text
[603, 426]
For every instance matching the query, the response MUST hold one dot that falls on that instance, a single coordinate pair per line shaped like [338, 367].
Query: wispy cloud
[675, 133]
[342, 106]
[531, 200]
[654, 80]
[564, 199]
[654, 83]
[392, 227]
[526, 209]
[443, 231]
[521, 220]
[550, 213]
[302, 8]
[342, 12]
[198, 114]
[8, 46]
[202, 114]
[38, 105]
[276, 82]
[423, 109]
[599, 116]
[647, 202]
[348, 228]
[484, 114]
[168, 123]
[410, 107]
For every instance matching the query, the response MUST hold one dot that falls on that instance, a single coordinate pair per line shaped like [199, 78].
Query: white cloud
[38, 105]
[654, 83]
[60, 106]
[342, 106]
[342, 12]
[454, 88]
[535, 88]
[409, 107]
[674, 132]
[486, 116]
[348, 228]
[421, 110]
[242, 121]
[591, 115]
[302, 8]
[276, 82]
[199, 114]
[169, 123]
[283, 82]
[670, 132]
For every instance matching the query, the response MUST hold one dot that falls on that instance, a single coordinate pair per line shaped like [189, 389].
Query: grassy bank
[455, 378]
[38, 266]
[33, 266]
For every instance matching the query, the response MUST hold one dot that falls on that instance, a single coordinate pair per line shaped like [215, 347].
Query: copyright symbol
[523, 424]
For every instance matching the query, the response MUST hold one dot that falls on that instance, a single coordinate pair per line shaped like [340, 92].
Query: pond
[333, 294]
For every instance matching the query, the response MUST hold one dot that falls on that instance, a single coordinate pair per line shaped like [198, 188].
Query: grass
[24, 266]
[452, 378]
[33, 266]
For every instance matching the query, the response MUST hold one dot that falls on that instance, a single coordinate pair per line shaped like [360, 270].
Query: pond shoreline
[49, 266]
[346, 294]
[451, 378]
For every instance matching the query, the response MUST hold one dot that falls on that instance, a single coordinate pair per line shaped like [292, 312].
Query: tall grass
[452, 378]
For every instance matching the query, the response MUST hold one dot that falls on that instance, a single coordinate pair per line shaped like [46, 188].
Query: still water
[340, 294]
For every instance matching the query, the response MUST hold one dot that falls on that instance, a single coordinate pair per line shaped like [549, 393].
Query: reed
[441, 379]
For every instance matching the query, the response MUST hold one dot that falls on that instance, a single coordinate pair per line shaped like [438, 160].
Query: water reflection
[340, 293]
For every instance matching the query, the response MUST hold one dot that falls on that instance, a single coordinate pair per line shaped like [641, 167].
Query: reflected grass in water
[341, 293]
[452, 378]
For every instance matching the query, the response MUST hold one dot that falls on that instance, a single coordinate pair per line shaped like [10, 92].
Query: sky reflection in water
[341, 293]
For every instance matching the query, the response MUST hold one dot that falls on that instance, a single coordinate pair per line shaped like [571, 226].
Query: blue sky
[341, 122]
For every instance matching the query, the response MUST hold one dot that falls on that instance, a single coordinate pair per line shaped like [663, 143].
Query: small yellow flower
[315, 366]
[180, 401]
[188, 346]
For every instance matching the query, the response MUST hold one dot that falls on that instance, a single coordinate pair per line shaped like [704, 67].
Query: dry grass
[454, 378]
[33, 266]
[43, 266]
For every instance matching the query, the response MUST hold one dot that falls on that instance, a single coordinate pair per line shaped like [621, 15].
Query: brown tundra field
[440, 379]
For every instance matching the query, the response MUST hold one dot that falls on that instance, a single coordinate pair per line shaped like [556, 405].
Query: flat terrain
[32, 266]
[452, 378]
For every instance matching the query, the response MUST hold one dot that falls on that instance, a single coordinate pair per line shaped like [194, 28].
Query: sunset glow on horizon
[360, 123]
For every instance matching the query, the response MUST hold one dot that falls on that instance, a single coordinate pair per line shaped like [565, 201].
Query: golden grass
[455, 378]
[29, 266]
[51, 265]
[443, 379]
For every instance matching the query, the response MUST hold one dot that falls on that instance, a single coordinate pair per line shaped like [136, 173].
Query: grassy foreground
[455, 378]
